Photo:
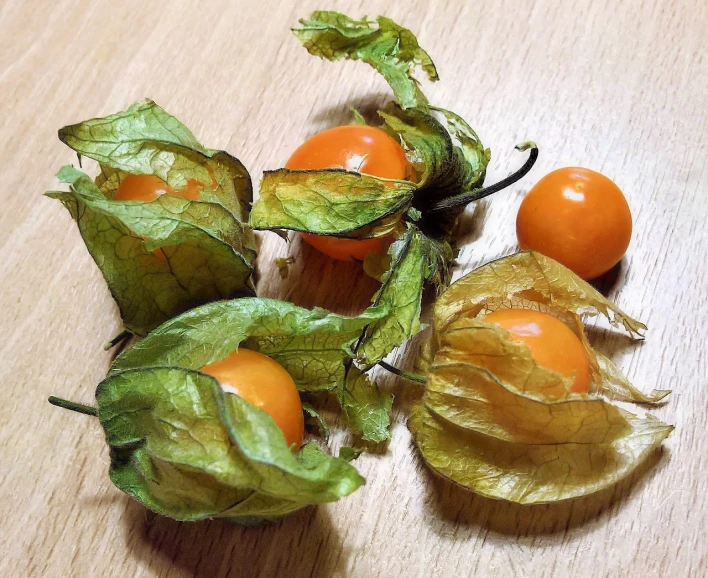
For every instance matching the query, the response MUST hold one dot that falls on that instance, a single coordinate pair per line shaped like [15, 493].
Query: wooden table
[617, 87]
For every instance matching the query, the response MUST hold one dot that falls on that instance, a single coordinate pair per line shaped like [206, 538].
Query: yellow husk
[494, 421]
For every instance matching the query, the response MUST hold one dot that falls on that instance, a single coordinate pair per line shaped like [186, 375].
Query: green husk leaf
[415, 261]
[185, 449]
[117, 138]
[315, 419]
[283, 265]
[159, 258]
[475, 155]
[206, 251]
[366, 409]
[349, 453]
[147, 140]
[326, 202]
[312, 345]
[358, 117]
[444, 167]
[341, 203]
[376, 265]
[391, 49]
[449, 161]
[494, 421]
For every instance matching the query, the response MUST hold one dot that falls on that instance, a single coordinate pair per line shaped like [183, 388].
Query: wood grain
[617, 87]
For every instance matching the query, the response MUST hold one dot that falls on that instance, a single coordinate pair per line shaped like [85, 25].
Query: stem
[120, 338]
[410, 376]
[73, 406]
[477, 194]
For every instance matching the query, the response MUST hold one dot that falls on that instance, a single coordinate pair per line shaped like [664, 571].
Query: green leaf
[315, 419]
[358, 117]
[391, 49]
[146, 140]
[166, 256]
[449, 162]
[159, 258]
[349, 453]
[476, 157]
[117, 137]
[325, 202]
[185, 449]
[341, 203]
[283, 265]
[376, 265]
[311, 345]
[449, 157]
[366, 409]
[415, 261]
[428, 144]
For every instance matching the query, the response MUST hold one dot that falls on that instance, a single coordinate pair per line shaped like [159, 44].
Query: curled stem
[406, 375]
[118, 339]
[73, 406]
[477, 194]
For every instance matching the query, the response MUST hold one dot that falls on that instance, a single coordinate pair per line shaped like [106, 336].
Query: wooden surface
[618, 87]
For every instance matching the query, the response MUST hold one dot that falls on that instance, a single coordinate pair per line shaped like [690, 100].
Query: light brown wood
[617, 87]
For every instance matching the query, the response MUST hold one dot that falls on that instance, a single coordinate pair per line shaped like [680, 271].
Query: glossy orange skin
[264, 383]
[347, 249]
[552, 343]
[147, 188]
[143, 188]
[364, 149]
[578, 217]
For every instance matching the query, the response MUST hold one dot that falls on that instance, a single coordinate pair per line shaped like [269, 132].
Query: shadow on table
[340, 114]
[606, 282]
[471, 223]
[315, 280]
[216, 548]
[453, 503]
